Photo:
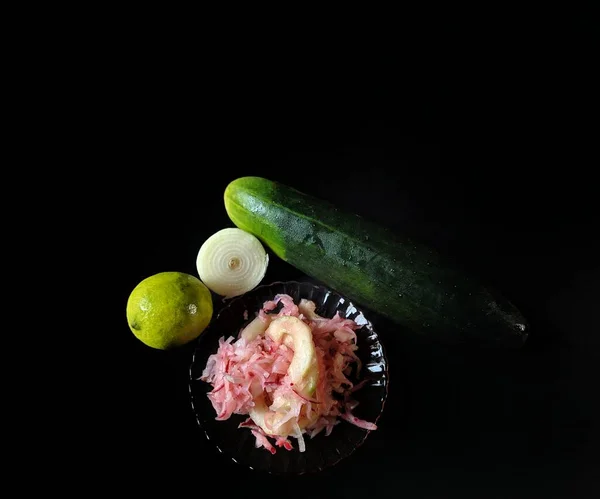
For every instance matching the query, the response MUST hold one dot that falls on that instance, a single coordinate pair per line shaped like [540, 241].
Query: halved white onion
[232, 262]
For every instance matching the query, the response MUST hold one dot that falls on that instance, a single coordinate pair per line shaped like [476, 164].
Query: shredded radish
[246, 372]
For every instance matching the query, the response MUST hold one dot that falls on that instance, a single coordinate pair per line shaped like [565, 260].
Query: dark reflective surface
[458, 422]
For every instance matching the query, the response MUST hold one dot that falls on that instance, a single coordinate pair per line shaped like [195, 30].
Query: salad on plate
[290, 371]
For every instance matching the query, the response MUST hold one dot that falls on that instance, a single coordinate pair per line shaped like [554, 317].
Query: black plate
[322, 451]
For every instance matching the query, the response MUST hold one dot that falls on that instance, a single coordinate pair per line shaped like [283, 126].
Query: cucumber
[390, 274]
[303, 371]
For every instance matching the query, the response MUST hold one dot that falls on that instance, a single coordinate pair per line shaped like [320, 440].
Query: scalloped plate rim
[228, 303]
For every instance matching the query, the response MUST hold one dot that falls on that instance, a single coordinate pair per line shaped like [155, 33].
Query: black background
[491, 174]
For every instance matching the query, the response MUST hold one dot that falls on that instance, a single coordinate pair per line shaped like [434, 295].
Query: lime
[169, 309]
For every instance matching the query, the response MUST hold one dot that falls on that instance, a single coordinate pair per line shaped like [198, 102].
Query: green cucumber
[390, 274]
